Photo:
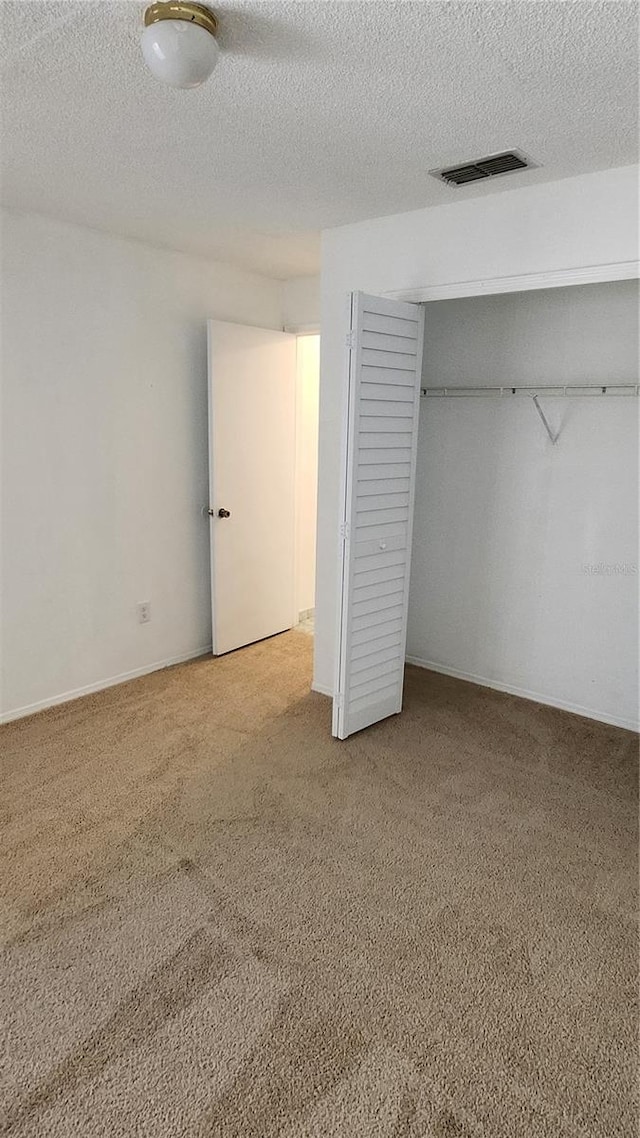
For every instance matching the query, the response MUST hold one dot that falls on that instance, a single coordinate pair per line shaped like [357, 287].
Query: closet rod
[564, 390]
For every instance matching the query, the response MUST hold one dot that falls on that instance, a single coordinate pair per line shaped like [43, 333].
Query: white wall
[307, 402]
[104, 454]
[301, 303]
[569, 224]
[525, 555]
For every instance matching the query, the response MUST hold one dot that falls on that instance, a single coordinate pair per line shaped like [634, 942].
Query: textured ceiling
[319, 114]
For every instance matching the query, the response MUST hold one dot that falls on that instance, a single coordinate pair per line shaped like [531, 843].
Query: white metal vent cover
[492, 166]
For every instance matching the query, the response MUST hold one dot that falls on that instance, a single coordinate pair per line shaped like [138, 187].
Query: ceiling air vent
[482, 168]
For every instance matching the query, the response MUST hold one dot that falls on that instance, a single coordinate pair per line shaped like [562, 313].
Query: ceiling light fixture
[179, 44]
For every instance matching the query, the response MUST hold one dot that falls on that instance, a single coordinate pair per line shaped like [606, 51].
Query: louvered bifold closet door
[385, 369]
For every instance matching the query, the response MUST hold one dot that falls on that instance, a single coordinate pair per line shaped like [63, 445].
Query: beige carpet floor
[219, 921]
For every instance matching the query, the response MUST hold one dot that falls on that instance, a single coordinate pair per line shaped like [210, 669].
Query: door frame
[211, 481]
[301, 331]
[421, 294]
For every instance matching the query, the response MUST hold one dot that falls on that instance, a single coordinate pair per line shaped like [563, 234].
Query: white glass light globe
[179, 53]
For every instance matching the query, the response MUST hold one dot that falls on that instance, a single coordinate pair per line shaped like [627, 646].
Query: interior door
[251, 482]
[385, 369]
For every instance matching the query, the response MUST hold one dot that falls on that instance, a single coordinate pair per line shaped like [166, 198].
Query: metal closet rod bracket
[554, 438]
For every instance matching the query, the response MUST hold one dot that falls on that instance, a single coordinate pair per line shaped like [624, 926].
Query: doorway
[263, 460]
[509, 523]
[306, 478]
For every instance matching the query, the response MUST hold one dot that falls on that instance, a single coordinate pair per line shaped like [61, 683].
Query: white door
[251, 482]
[385, 368]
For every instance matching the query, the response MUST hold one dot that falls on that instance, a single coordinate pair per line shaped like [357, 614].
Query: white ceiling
[319, 114]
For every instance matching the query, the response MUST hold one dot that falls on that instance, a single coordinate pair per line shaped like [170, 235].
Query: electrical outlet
[144, 612]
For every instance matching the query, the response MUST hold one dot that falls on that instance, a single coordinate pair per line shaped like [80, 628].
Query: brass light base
[182, 10]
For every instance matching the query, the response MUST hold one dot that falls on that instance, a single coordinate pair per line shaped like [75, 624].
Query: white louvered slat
[375, 658]
[371, 687]
[374, 357]
[378, 589]
[368, 486]
[387, 391]
[384, 516]
[389, 572]
[367, 649]
[393, 556]
[362, 621]
[385, 424]
[379, 671]
[385, 451]
[394, 325]
[382, 501]
[374, 630]
[382, 422]
[372, 549]
[383, 533]
[385, 701]
[383, 342]
[386, 408]
[377, 604]
[382, 470]
[382, 374]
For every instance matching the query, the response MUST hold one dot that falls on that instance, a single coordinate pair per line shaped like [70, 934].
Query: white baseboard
[100, 685]
[430, 665]
[322, 690]
[524, 693]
